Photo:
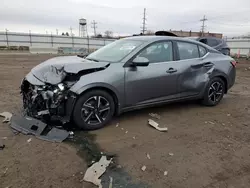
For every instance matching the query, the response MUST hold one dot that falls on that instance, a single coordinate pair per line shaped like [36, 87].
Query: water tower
[82, 27]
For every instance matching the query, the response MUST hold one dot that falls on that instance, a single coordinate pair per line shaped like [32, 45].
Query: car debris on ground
[211, 122]
[154, 115]
[143, 168]
[156, 126]
[29, 140]
[171, 154]
[31, 126]
[165, 173]
[7, 116]
[148, 156]
[94, 172]
[110, 182]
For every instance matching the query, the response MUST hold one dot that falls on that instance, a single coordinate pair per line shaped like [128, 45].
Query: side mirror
[140, 61]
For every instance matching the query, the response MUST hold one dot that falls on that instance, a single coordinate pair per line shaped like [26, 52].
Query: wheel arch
[109, 89]
[224, 79]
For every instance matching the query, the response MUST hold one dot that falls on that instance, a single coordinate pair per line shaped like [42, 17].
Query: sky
[230, 17]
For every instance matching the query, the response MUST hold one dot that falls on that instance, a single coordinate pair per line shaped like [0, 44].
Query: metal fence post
[72, 41]
[30, 38]
[7, 40]
[51, 40]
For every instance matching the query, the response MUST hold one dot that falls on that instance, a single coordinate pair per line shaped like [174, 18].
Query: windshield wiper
[91, 59]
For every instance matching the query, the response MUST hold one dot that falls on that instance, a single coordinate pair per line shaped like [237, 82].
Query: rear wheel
[93, 110]
[214, 92]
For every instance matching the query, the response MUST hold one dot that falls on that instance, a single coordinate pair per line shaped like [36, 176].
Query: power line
[144, 29]
[94, 26]
[203, 24]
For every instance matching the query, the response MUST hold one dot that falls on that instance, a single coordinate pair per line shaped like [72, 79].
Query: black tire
[84, 108]
[211, 96]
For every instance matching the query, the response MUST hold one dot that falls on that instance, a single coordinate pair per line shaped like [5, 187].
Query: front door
[155, 82]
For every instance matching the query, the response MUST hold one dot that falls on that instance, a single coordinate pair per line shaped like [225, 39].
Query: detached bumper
[28, 125]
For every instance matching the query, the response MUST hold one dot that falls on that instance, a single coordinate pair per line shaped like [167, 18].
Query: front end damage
[48, 102]
[46, 89]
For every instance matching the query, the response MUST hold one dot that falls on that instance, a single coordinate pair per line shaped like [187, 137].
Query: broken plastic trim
[31, 126]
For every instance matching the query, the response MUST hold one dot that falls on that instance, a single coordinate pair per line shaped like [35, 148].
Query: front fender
[80, 89]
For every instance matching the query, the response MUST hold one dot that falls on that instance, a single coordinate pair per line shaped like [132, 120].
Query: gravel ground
[210, 145]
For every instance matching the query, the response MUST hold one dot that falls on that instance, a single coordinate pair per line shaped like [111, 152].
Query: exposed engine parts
[40, 101]
[49, 97]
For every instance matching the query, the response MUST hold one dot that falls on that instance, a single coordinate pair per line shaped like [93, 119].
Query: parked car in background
[128, 74]
[216, 43]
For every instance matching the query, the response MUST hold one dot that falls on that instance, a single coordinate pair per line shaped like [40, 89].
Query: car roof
[153, 38]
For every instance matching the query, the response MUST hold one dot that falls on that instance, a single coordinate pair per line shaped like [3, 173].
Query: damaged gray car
[128, 74]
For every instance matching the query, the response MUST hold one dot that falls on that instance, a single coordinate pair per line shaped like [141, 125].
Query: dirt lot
[210, 145]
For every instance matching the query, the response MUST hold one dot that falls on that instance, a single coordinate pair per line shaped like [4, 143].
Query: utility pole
[144, 29]
[94, 23]
[203, 24]
[56, 31]
[71, 33]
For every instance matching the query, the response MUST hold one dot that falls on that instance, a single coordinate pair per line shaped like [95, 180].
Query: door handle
[208, 64]
[171, 70]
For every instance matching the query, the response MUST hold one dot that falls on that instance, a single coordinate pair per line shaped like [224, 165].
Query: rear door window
[202, 51]
[187, 50]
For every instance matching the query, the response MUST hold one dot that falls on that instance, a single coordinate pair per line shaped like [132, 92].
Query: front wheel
[214, 92]
[93, 110]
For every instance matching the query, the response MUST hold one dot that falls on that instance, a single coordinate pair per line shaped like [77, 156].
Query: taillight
[234, 63]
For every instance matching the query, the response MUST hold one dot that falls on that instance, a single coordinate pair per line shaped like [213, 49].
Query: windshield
[115, 51]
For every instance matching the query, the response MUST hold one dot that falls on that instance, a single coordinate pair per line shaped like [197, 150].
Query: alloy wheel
[215, 92]
[95, 110]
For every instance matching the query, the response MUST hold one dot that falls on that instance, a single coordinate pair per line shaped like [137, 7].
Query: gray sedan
[128, 74]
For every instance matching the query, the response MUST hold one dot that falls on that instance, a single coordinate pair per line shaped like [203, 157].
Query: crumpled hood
[54, 70]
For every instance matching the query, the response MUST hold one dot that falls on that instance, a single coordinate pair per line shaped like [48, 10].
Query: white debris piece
[211, 122]
[7, 116]
[117, 125]
[156, 125]
[134, 137]
[148, 156]
[126, 132]
[29, 140]
[97, 170]
[171, 154]
[143, 168]
[110, 182]
[5, 171]
[165, 173]
[122, 128]
[228, 115]
[154, 115]
[118, 166]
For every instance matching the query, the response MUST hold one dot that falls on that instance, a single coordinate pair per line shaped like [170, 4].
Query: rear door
[193, 68]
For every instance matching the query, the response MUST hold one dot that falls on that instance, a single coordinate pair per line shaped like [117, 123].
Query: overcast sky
[230, 17]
